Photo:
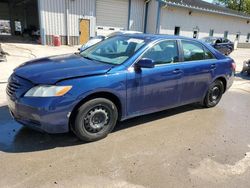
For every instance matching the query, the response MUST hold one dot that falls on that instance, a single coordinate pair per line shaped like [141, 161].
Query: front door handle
[177, 71]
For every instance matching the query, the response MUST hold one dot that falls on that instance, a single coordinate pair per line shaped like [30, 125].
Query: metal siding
[54, 20]
[79, 9]
[112, 13]
[137, 15]
[152, 16]
[54, 16]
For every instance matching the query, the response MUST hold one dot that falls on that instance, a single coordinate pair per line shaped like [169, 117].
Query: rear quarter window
[194, 51]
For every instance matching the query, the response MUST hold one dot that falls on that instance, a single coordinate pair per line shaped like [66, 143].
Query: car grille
[12, 88]
[17, 86]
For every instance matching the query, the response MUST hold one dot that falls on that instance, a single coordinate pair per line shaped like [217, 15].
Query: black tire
[95, 119]
[214, 94]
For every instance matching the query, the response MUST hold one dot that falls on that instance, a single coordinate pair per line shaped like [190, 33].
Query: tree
[238, 5]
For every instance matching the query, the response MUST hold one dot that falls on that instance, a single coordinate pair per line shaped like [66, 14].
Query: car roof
[213, 38]
[153, 37]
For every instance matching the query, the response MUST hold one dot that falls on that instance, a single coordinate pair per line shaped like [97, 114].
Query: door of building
[84, 30]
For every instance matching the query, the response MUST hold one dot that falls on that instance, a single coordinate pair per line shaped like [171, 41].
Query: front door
[153, 89]
[84, 30]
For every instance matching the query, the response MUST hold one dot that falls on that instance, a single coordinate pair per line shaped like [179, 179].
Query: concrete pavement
[187, 146]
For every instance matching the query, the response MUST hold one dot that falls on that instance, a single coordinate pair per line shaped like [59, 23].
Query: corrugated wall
[137, 15]
[152, 16]
[54, 20]
[54, 13]
[81, 9]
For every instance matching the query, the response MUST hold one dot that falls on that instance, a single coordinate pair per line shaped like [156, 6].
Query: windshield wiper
[86, 57]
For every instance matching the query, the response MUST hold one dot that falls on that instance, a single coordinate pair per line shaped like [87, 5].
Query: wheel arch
[224, 81]
[101, 94]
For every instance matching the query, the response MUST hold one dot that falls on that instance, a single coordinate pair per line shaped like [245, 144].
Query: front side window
[163, 53]
[193, 51]
[114, 50]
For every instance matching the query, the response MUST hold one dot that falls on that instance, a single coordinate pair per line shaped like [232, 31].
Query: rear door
[198, 65]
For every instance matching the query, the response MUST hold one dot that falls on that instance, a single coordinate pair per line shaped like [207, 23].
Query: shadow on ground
[14, 138]
[17, 39]
[244, 76]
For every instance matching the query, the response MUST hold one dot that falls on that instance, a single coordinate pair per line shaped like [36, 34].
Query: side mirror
[145, 63]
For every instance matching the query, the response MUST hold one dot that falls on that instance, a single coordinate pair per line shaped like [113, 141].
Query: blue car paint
[139, 92]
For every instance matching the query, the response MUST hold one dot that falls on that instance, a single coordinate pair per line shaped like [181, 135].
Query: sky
[210, 1]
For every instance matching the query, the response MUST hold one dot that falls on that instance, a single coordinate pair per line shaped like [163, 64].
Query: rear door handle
[177, 71]
[213, 66]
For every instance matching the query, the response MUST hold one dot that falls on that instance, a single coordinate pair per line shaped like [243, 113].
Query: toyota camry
[117, 79]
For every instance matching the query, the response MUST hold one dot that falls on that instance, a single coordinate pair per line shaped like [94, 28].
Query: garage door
[111, 14]
[137, 15]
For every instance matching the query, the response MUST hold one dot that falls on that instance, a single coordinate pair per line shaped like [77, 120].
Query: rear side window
[208, 54]
[164, 52]
[193, 51]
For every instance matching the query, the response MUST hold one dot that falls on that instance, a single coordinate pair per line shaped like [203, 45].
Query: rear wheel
[214, 94]
[95, 119]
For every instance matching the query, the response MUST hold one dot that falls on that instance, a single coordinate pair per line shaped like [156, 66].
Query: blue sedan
[117, 79]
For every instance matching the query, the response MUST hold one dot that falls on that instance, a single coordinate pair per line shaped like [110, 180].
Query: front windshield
[114, 50]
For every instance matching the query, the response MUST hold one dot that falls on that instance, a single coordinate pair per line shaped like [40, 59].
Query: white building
[77, 20]
[197, 19]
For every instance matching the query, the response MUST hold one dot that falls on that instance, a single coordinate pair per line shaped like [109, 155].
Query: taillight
[233, 66]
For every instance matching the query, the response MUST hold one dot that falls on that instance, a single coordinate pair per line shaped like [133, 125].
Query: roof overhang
[167, 3]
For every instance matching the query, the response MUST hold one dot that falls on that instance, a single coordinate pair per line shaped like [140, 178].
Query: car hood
[50, 70]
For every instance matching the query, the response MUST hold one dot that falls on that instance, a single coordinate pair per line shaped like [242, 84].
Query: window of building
[225, 34]
[193, 51]
[163, 53]
[237, 36]
[195, 34]
[177, 30]
[248, 37]
[211, 32]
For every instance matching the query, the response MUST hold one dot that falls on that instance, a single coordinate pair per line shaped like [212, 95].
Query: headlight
[47, 91]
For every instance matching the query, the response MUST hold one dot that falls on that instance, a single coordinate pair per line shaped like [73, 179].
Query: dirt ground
[183, 147]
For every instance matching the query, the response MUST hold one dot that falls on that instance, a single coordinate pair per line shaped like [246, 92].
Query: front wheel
[95, 119]
[214, 94]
